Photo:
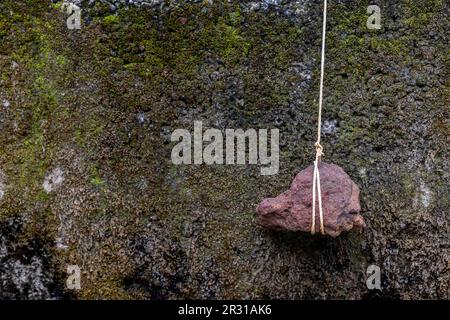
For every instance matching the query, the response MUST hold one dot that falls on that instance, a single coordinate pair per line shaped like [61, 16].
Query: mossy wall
[100, 104]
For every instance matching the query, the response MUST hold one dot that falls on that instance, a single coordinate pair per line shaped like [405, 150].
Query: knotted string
[319, 149]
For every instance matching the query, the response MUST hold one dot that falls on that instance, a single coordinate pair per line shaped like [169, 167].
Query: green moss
[57, 5]
[389, 46]
[110, 20]
[235, 17]
[418, 14]
[37, 49]
[35, 54]
[87, 132]
[79, 138]
[32, 166]
[231, 46]
[97, 181]
[95, 178]
[62, 60]
[349, 20]
[42, 196]
[184, 44]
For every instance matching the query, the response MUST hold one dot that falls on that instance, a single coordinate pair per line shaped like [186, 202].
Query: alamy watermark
[229, 149]
[73, 281]
[373, 277]
[73, 21]
[374, 20]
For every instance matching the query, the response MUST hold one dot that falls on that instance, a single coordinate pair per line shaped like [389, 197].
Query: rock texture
[292, 210]
[100, 103]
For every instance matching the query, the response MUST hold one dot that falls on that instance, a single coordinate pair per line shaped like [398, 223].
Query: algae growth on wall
[86, 118]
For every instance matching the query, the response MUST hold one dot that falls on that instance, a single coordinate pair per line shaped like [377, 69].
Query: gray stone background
[85, 123]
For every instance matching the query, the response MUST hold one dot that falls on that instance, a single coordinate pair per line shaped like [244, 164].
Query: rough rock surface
[25, 268]
[292, 210]
[100, 103]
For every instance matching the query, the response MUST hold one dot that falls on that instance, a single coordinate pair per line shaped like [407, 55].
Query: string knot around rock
[291, 210]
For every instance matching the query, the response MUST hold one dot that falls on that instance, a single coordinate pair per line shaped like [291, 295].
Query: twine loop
[317, 193]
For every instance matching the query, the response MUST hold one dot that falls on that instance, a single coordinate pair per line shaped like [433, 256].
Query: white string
[319, 149]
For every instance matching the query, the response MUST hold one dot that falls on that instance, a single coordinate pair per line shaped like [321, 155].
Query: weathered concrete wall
[85, 124]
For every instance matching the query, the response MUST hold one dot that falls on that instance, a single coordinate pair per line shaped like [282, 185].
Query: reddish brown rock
[292, 209]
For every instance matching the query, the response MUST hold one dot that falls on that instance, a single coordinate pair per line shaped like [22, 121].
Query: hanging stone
[292, 210]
